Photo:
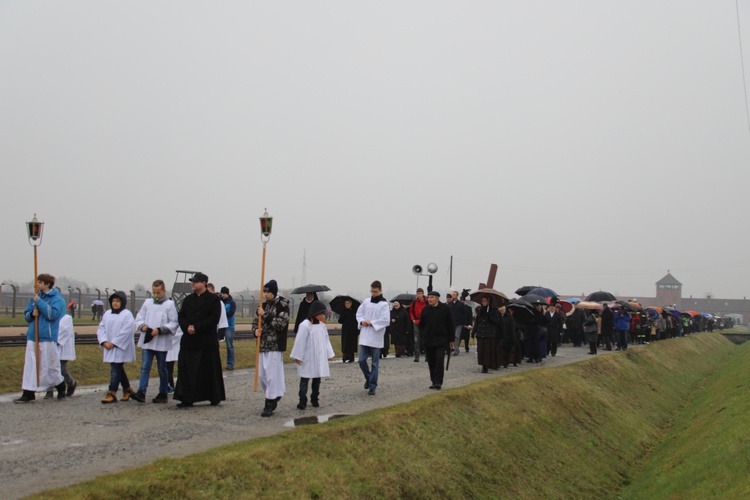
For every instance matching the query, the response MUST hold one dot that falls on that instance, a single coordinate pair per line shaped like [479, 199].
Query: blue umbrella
[574, 300]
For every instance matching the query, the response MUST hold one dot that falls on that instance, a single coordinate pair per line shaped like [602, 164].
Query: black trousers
[436, 362]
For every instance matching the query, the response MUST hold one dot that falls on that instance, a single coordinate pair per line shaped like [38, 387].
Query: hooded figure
[312, 350]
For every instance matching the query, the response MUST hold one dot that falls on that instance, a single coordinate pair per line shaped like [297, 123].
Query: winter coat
[399, 327]
[203, 312]
[485, 325]
[622, 321]
[436, 325]
[51, 307]
[590, 327]
[275, 325]
[349, 330]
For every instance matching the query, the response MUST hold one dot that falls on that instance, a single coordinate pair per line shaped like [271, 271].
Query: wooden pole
[260, 318]
[36, 321]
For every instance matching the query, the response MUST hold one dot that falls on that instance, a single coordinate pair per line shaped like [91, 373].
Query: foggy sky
[580, 145]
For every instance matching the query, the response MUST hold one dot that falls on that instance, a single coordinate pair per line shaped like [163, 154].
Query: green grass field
[658, 422]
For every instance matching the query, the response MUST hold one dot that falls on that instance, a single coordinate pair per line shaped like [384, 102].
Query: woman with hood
[312, 350]
[485, 326]
[116, 336]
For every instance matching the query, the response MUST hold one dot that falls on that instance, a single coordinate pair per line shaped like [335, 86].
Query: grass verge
[707, 452]
[579, 431]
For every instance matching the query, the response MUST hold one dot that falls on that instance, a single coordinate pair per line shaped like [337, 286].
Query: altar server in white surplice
[312, 350]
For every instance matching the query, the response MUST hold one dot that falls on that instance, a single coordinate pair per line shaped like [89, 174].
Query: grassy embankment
[579, 431]
[89, 369]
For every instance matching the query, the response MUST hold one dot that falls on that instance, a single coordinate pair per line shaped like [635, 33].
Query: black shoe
[230, 368]
[26, 397]
[302, 404]
[60, 390]
[71, 389]
[160, 398]
[371, 392]
[49, 395]
[416, 360]
[484, 370]
[315, 403]
[215, 403]
[467, 350]
[438, 387]
[267, 411]
[432, 386]
[184, 405]
[139, 396]
[367, 385]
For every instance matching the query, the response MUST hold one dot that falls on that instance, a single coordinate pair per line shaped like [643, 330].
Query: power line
[742, 63]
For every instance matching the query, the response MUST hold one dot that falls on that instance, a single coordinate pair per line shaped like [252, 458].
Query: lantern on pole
[266, 225]
[34, 229]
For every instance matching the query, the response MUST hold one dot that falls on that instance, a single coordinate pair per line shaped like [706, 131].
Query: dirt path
[52, 443]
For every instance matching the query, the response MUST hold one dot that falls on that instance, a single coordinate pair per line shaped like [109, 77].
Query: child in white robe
[116, 335]
[312, 350]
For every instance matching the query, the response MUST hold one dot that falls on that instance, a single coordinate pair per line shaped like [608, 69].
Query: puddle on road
[313, 419]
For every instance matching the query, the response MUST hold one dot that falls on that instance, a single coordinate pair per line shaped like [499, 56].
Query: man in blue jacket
[46, 307]
[622, 325]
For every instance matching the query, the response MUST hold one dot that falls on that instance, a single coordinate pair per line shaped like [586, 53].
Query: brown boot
[126, 394]
[111, 397]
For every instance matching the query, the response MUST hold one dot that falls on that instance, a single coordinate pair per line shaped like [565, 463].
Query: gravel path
[52, 443]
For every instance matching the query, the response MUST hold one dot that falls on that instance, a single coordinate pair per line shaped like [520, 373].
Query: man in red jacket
[415, 312]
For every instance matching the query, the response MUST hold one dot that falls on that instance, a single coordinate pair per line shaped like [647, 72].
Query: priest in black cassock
[199, 362]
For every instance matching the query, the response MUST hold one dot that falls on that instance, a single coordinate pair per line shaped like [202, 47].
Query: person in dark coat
[349, 331]
[555, 320]
[591, 329]
[507, 339]
[485, 330]
[399, 328]
[575, 327]
[437, 330]
[199, 362]
[304, 309]
[608, 327]
[531, 337]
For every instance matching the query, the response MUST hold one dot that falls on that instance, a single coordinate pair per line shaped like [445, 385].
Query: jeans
[303, 382]
[622, 339]
[371, 375]
[229, 340]
[117, 376]
[147, 358]
[417, 343]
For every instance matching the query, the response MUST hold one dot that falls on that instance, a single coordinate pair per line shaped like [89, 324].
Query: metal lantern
[266, 223]
[34, 230]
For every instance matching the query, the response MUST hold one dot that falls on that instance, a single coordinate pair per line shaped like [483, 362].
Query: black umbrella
[310, 289]
[525, 289]
[337, 304]
[404, 298]
[535, 299]
[601, 297]
[523, 312]
[544, 292]
[627, 305]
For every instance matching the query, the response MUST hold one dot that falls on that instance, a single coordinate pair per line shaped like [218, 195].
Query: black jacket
[203, 312]
[436, 325]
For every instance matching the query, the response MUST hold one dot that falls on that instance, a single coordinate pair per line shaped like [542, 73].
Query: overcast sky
[580, 145]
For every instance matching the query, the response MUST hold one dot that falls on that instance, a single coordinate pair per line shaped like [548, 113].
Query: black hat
[225, 290]
[434, 293]
[272, 287]
[197, 277]
[317, 307]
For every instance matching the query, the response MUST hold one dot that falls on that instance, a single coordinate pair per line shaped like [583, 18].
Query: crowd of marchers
[422, 327]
